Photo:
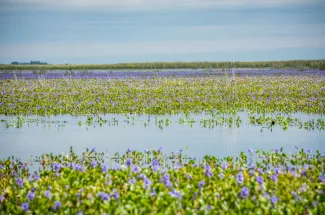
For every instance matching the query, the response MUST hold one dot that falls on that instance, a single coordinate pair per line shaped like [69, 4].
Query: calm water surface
[196, 141]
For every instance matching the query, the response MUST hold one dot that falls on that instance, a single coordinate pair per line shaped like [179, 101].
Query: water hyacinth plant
[284, 93]
[149, 184]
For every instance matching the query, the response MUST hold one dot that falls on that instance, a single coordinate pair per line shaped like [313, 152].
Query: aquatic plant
[149, 183]
[159, 95]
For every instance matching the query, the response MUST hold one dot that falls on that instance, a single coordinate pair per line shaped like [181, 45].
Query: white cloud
[158, 4]
[106, 48]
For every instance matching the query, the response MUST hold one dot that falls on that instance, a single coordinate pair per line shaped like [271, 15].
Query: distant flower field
[158, 94]
[152, 182]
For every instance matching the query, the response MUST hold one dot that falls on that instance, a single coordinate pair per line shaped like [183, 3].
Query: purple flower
[104, 168]
[155, 165]
[31, 196]
[201, 184]
[260, 170]
[77, 167]
[115, 194]
[278, 170]
[175, 194]
[47, 194]
[136, 169]
[93, 164]
[274, 200]
[1, 167]
[166, 180]
[322, 178]
[221, 175]
[224, 165]
[147, 183]
[308, 151]
[260, 180]
[36, 177]
[240, 178]
[66, 187]
[56, 206]
[142, 176]
[244, 192]
[103, 196]
[128, 162]
[208, 171]
[20, 182]
[25, 206]
[274, 178]
[146, 151]
[132, 181]
[71, 165]
[2, 198]
[276, 150]
[80, 213]
[250, 150]
[266, 195]
[93, 149]
[129, 150]
[56, 166]
[315, 203]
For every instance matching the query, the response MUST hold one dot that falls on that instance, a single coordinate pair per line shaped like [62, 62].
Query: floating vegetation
[152, 182]
[163, 95]
[210, 122]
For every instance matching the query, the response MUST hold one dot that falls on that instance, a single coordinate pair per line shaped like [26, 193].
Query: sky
[119, 31]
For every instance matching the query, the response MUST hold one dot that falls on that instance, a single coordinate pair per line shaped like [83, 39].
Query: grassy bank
[296, 64]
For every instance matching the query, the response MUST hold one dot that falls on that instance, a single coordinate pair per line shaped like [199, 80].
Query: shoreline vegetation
[295, 64]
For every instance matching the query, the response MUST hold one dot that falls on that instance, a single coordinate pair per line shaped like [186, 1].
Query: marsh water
[57, 133]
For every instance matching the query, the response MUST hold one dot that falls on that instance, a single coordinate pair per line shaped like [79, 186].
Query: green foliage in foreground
[296, 64]
[261, 94]
[150, 182]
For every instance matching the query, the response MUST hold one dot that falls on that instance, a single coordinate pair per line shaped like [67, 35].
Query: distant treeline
[294, 64]
[30, 63]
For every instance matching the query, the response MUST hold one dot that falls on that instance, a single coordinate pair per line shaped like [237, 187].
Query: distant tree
[30, 63]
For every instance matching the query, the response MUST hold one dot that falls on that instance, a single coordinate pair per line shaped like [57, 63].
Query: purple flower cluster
[93, 164]
[166, 181]
[244, 192]
[128, 162]
[25, 206]
[31, 196]
[240, 178]
[57, 166]
[175, 194]
[274, 178]
[260, 180]
[115, 194]
[208, 171]
[47, 194]
[136, 169]
[20, 182]
[103, 196]
[56, 206]
[155, 165]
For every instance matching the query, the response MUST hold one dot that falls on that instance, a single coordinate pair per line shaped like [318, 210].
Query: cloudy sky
[114, 31]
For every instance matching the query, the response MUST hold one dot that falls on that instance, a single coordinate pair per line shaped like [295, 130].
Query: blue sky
[107, 31]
